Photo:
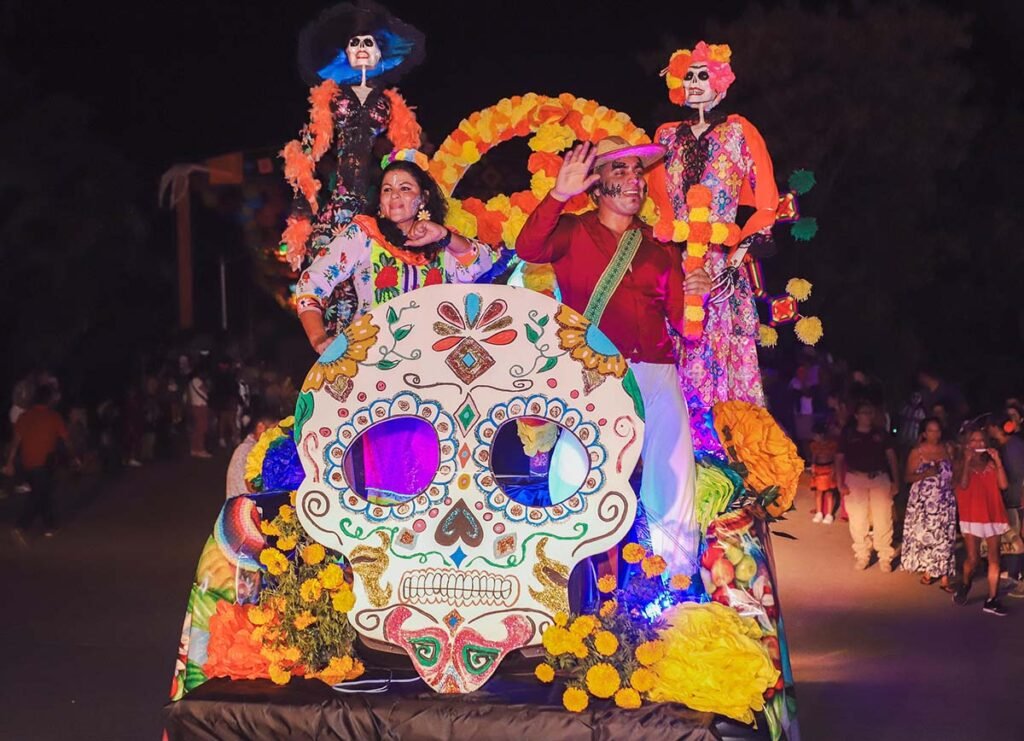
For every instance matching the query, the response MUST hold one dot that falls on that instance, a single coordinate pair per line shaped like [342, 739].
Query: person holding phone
[929, 531]
[980, 479]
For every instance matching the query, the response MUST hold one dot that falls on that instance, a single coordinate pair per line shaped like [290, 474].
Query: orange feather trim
[404, 130]
[321, 119]
[296, 235]
[298, 171]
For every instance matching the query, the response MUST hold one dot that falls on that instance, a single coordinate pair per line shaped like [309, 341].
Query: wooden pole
[184, 223]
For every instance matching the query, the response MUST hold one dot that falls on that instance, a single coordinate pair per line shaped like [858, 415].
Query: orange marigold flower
[544, 672]
[643, 680]
[653, 566]
[605, 643]
[650, 652]
[603, 680]
[304, 619]
[344, 600]
[698, 196]
[606, 583]
[628, 698]
[679, 582]
[313, 554]
[633, 553]
[279, 675]
[575, 700]
[608, 608]
[583, 626]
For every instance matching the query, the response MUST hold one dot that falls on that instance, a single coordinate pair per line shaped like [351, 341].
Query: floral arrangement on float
[646, 644]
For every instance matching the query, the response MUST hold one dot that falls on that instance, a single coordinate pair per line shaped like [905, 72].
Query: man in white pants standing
[611, 269]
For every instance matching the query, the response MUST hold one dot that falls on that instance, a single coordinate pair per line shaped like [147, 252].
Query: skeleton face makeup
[470, 562]
[697, 83]
[622, 187]
[362, 51]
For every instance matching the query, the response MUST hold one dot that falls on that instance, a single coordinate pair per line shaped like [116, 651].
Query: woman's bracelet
[446, 240]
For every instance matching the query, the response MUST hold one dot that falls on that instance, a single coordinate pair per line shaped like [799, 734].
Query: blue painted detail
[458, 557]
[468, 360]
[472, 308]
[335, 350]
[598, 341]
[393, 47]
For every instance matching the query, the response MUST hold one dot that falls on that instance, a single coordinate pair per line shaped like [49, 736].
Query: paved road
[92, 619]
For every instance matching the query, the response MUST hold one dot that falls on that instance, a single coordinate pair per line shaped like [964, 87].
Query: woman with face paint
[348, 54]
[726, 154]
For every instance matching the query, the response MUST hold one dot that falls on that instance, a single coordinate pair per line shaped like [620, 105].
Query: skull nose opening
[537, 462]
[393, 460]
[459, 524]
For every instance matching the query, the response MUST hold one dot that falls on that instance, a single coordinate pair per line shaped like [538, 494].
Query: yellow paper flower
[259, 616]
[767, 336]
[575, 700]
[274, 560]
[470, 154]
[693, 314]
[287, 542]
[278, 675]
[552, 137]
[605, 643]
[808, 330]
[544, 672]
[642, 680]
[541, 183]
[653, 566]
[332, 577]
[713, 662]
[561, 619]
[460, 220]
[344, 600]
[649, 212]
[311, 590]
[679, 582]
[583, 626]
[313, 554]
[633, 553]
[700, 213]
[751, 436]
[606, 583]
[650, 652]
[603, 680]
[628, 698]
[512, 226]
[608, 608]
[304, 619]
[500, 204]
[799, 288]
[680, 231]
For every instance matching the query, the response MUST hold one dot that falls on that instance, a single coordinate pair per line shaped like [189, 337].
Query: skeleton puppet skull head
[453, 564]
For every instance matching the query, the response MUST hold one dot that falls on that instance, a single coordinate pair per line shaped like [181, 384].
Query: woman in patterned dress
[727, 154]
[929, 530]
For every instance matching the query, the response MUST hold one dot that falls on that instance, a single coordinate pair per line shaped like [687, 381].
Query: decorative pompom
[804, 229]
[296, 235]
[808, 330]
[767, 336]
[801, 181]
[404, 130]
[799, 288]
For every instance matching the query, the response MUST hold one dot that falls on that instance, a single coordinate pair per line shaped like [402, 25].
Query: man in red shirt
[637, 304]
[37, 435]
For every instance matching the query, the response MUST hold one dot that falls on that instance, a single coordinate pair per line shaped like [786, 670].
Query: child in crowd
[823, 449]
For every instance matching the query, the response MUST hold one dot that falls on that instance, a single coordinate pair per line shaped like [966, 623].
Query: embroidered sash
[612, 276]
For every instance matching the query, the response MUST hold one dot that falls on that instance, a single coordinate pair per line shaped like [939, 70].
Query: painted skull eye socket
[542, 480]
[361, 41]
[427, 650]
[477, 659]
[703, 75]
[393, 461]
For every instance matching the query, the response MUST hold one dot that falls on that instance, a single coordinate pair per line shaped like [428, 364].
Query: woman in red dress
[979, 479]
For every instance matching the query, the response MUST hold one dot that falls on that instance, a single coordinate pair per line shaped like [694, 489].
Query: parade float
[442, 583]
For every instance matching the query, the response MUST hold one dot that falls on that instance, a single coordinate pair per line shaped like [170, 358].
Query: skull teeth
[460, 588]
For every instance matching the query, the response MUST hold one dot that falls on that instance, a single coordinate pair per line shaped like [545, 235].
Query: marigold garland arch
[556, 123]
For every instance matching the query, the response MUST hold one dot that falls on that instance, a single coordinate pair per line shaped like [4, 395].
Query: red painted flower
[432, 278]
[387, 277]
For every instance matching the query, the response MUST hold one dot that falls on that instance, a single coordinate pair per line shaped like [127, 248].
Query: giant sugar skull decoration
[459, 555]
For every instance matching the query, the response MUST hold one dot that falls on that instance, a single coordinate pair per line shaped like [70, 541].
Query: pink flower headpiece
[716, 56]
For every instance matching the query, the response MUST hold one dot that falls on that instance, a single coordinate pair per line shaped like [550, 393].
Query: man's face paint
[697, 83]
[622, 187]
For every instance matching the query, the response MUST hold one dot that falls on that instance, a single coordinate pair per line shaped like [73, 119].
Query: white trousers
[668, 487]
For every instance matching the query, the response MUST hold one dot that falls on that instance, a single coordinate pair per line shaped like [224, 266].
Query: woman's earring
[423, 214]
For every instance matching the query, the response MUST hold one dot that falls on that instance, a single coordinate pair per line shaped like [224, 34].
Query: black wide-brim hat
[322, 44]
